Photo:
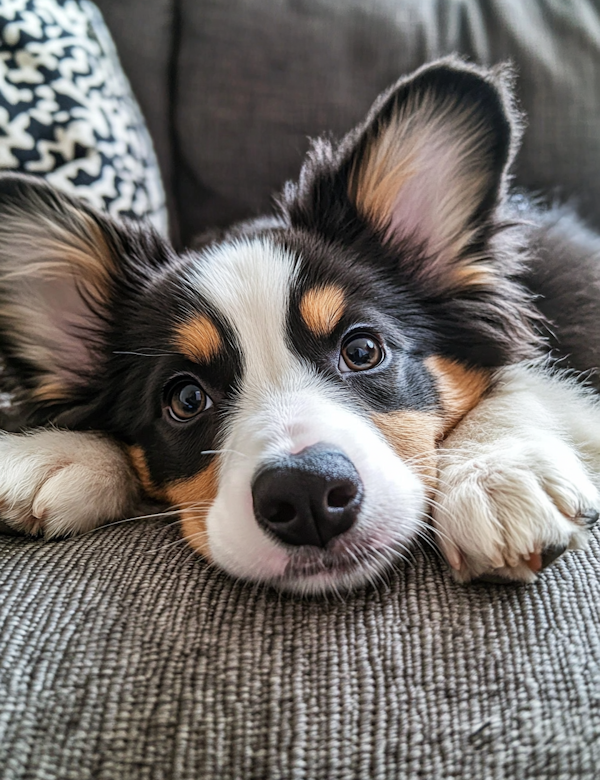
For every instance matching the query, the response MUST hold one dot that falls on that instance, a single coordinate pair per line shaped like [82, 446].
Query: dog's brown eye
[185, 400]
[360, 352]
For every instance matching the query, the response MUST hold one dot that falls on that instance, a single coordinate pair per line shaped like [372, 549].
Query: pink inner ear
[65, 324]
[414, 210]
[424, 174]
[437, 198]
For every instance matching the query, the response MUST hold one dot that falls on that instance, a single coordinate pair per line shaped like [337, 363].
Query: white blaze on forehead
[249, 282]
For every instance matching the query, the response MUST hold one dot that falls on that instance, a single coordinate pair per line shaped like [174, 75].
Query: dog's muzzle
[308, 498]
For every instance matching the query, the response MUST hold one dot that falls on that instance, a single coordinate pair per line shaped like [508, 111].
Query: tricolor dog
[315, 388]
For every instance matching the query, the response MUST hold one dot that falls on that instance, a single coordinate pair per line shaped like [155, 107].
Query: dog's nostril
[283, 513]
[340, 496]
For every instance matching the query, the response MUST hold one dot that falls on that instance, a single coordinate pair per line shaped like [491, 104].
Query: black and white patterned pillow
[67, 111]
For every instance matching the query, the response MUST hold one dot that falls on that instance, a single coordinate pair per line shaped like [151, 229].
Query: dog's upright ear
[61, 266]
[424, 172]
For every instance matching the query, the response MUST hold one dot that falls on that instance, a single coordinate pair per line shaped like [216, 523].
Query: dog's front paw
[60, 482]
[506, 511]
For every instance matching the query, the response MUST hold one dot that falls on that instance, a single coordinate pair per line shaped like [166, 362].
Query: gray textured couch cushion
[122, 657]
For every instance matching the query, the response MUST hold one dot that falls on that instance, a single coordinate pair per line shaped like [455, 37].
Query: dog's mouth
[346, 565]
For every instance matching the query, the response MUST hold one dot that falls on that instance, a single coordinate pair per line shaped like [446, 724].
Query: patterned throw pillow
[67, 111]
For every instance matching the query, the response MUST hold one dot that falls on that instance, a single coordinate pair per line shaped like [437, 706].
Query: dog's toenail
[590, 517]
[550, 554]
[535, 562]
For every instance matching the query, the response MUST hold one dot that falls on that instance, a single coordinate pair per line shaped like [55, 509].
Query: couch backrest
[232, 89]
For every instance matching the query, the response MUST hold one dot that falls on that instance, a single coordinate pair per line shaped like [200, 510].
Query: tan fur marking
[89, 253]
[197, 494]
[403, 150]
[50, 251]
[199, 339]
[199, 491]
[50, 390]
[374, 186]
[414, 437]
[137, 458]
[321, 309]
[460, 388]
[475, 275]
[80, 250]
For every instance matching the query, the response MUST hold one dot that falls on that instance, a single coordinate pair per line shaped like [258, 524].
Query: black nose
[308, 498]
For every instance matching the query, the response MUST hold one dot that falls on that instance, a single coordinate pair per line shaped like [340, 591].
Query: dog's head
[287, 385]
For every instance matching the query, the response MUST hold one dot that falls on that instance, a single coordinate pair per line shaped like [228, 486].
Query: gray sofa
[123, 656]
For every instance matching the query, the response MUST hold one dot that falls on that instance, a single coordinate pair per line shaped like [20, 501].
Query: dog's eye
[185, 399]
[360, 352]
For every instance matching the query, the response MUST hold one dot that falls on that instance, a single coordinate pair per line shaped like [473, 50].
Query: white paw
[60, 482]
[508, 509]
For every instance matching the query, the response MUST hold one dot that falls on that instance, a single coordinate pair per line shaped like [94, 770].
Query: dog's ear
[61, 264]
[424, 172]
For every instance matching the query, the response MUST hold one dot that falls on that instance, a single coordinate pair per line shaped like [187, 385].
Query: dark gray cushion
[255, 79]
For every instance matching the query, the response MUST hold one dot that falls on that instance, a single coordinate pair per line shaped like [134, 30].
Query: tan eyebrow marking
[322, 308]
[198, 339]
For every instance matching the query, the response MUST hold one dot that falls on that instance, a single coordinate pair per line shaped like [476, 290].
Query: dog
[307, 387]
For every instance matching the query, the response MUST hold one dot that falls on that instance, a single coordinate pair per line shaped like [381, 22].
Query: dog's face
[286, 386]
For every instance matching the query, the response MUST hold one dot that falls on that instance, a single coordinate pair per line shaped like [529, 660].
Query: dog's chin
[346, 564]
[313, 571]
